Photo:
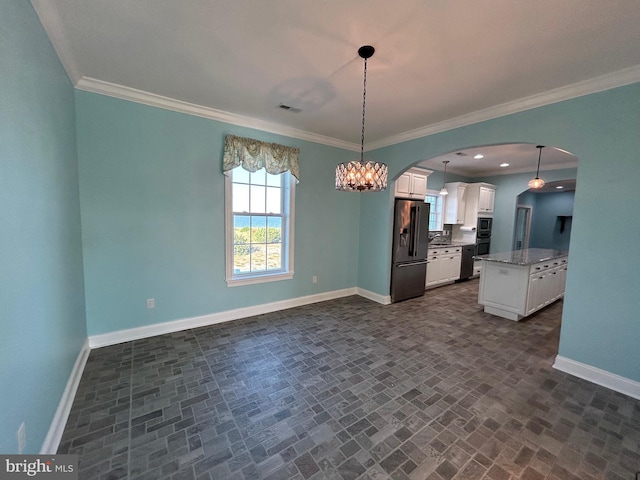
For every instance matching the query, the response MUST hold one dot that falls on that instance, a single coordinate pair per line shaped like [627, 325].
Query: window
[259, 211]
[435, 212]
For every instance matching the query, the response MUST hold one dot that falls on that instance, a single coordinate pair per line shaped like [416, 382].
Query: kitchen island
[516, 284]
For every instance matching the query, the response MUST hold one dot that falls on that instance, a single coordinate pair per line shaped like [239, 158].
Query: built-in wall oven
[482, 246]
[483, 235]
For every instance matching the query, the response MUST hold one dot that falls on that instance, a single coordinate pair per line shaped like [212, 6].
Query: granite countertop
[528, 256]
[450, 244]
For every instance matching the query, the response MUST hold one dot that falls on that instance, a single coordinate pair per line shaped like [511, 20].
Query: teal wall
[151, 202]
[152, 196]
[507, 191]
[41, 285]
[600, 326]
[545, 224]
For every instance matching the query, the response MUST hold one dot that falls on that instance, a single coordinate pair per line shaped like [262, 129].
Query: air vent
[461, 154]
[289, 108]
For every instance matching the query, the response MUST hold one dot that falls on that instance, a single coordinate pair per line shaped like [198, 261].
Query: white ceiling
[438, 63]
[520, 157]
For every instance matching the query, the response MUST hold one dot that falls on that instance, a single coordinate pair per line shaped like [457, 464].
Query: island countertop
[527, 256]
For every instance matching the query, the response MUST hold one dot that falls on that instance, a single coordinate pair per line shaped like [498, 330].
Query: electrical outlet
[22, 438]
[315, 279]
[151, 303]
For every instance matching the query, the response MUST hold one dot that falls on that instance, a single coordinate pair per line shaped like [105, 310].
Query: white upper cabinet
[480, 201]
[403, 185]
[455, 202]
[412, 184]
[486, 200]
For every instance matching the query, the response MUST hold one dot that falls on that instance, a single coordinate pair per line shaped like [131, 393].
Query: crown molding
[604, 82]
[50, 20]
[139, 96]
[619, 78]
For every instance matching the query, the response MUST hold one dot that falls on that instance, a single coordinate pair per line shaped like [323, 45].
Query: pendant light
[537, 182]
[443, 190]
[361, 176]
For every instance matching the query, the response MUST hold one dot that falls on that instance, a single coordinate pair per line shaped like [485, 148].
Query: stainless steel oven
[482, 246]
[483, 229]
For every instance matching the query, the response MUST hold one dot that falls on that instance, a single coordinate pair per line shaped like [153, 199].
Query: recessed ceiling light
[504, 165]
[478, 156]
[559, 187]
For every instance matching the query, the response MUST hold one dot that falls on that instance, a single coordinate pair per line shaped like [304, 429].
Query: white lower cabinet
[434, 268]
[515, 292]
[443, 265]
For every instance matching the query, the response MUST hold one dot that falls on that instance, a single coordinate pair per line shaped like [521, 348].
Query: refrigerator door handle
[402, 265]
[412, 232]
[416, 234]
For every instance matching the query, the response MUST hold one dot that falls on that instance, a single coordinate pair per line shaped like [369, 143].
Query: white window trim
[288, 230]
[436, 193]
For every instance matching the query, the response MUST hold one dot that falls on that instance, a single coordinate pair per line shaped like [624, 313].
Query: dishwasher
[466, 264]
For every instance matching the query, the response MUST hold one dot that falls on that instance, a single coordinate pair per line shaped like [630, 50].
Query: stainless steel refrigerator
[410, 242]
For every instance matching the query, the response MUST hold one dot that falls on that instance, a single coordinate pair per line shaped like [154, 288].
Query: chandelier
[361, 176]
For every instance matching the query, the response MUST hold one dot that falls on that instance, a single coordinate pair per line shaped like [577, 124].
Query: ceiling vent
[289, 108]
[461, 154]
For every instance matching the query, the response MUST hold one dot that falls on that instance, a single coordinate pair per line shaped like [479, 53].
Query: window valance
[253, 155]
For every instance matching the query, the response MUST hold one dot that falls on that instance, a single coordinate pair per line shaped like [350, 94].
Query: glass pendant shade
[443, 191]
[361, 176]
[536, 183]
[358, 176]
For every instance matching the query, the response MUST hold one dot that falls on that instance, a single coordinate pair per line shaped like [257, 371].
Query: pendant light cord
[539, 155]
[364, 101]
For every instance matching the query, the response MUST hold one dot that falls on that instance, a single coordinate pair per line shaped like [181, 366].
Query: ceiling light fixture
[443, 191]
[504, 165]
[359, 176]
[559, 187]
[537, 182]
[478, 156]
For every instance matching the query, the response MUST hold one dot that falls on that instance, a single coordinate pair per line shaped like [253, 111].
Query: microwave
[484, 227]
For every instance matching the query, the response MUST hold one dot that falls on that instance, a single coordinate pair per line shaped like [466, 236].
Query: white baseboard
[52, 440]
[383, 299]
[113, 338]
[598, 376]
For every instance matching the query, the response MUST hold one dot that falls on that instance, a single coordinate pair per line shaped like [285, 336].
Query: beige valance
[253, 155]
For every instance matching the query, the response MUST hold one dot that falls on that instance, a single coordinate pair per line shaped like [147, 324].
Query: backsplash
[441, 236]
[461, 236]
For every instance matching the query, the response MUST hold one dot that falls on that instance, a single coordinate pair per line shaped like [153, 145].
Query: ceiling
[438, 63]
[520, 157]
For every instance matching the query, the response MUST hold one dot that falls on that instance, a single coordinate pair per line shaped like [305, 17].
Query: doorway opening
[543, 217]
[522, 228]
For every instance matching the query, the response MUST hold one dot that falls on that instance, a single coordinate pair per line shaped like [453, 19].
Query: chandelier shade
[361, 176]
[358, 176]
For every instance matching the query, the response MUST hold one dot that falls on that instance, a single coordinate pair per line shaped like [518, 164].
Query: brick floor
[429, 388]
